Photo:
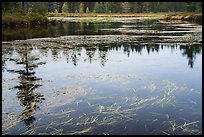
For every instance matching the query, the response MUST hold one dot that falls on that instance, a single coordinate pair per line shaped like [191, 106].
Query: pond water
[148, 84]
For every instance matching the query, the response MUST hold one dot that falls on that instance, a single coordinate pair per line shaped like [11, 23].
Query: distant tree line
[101, 7]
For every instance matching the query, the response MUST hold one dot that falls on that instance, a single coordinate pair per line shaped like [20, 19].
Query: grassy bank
[191, 17]
[36, 19]
[105, 14]
[183, 16]
[29, 19]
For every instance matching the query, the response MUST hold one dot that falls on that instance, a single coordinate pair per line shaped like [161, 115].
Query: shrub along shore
[37, 19]
[191, 17]
[28, 19]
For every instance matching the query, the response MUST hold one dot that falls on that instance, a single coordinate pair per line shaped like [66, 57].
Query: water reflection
[103, 54]
[23, 33]
[136, 27]
[100, 51]
[139, 67]
[25, 58]
[190, 53]
[7, 52]
[62, 29]
[28, 82]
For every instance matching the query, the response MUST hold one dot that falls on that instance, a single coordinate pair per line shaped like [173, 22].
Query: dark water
[100, 28]
[116, 88]
[62, 29]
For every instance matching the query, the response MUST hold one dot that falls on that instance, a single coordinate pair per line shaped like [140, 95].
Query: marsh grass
[117, 112]
[105, 14]
[183, 16]
[185, 127]
[96, 20]
[192, 17]
[112, 111]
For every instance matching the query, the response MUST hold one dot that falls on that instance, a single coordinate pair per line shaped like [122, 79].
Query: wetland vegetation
[36, 14]
[118, 75]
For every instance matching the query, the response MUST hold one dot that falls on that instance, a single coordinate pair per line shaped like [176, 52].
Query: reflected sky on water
[118, 88]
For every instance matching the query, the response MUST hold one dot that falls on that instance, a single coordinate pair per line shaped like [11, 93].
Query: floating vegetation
[66, 95]
[192, 34]
[73, 121]
[185, 128]
[9, 120]
[151, 87]
[62, 113]
[96, 20]
[103, 99]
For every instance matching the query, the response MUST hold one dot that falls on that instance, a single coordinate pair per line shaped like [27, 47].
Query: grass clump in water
[192, 17]
[96, 20]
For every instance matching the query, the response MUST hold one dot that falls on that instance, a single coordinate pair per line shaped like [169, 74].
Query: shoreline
[191, 17]
[15, 21]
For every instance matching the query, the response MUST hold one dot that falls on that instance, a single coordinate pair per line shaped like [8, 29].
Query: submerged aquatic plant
[151, 87]
[185, 128]
[114, 110]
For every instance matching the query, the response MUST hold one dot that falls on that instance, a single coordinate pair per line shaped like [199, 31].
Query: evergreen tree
[81, 7]
[133, 7]
[198, 7]
[56, 6]
[65, 8]
[115, 7]
[39, 7]
[87, 9]
[96, 8]
[56, 11]
[125, 7]
[100, 7]
[190, 6]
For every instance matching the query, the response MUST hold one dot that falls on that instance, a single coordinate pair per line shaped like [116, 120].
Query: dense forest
[101, 7]
[35, 13]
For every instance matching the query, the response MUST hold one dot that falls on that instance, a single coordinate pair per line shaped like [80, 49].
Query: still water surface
[153, 87]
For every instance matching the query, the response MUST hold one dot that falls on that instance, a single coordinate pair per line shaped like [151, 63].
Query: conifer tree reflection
[28, 83]
[74, 58]
[90, 52]
[190, 52]
[55, 53]
[7, 51]
[102, 54]
[127, 50]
